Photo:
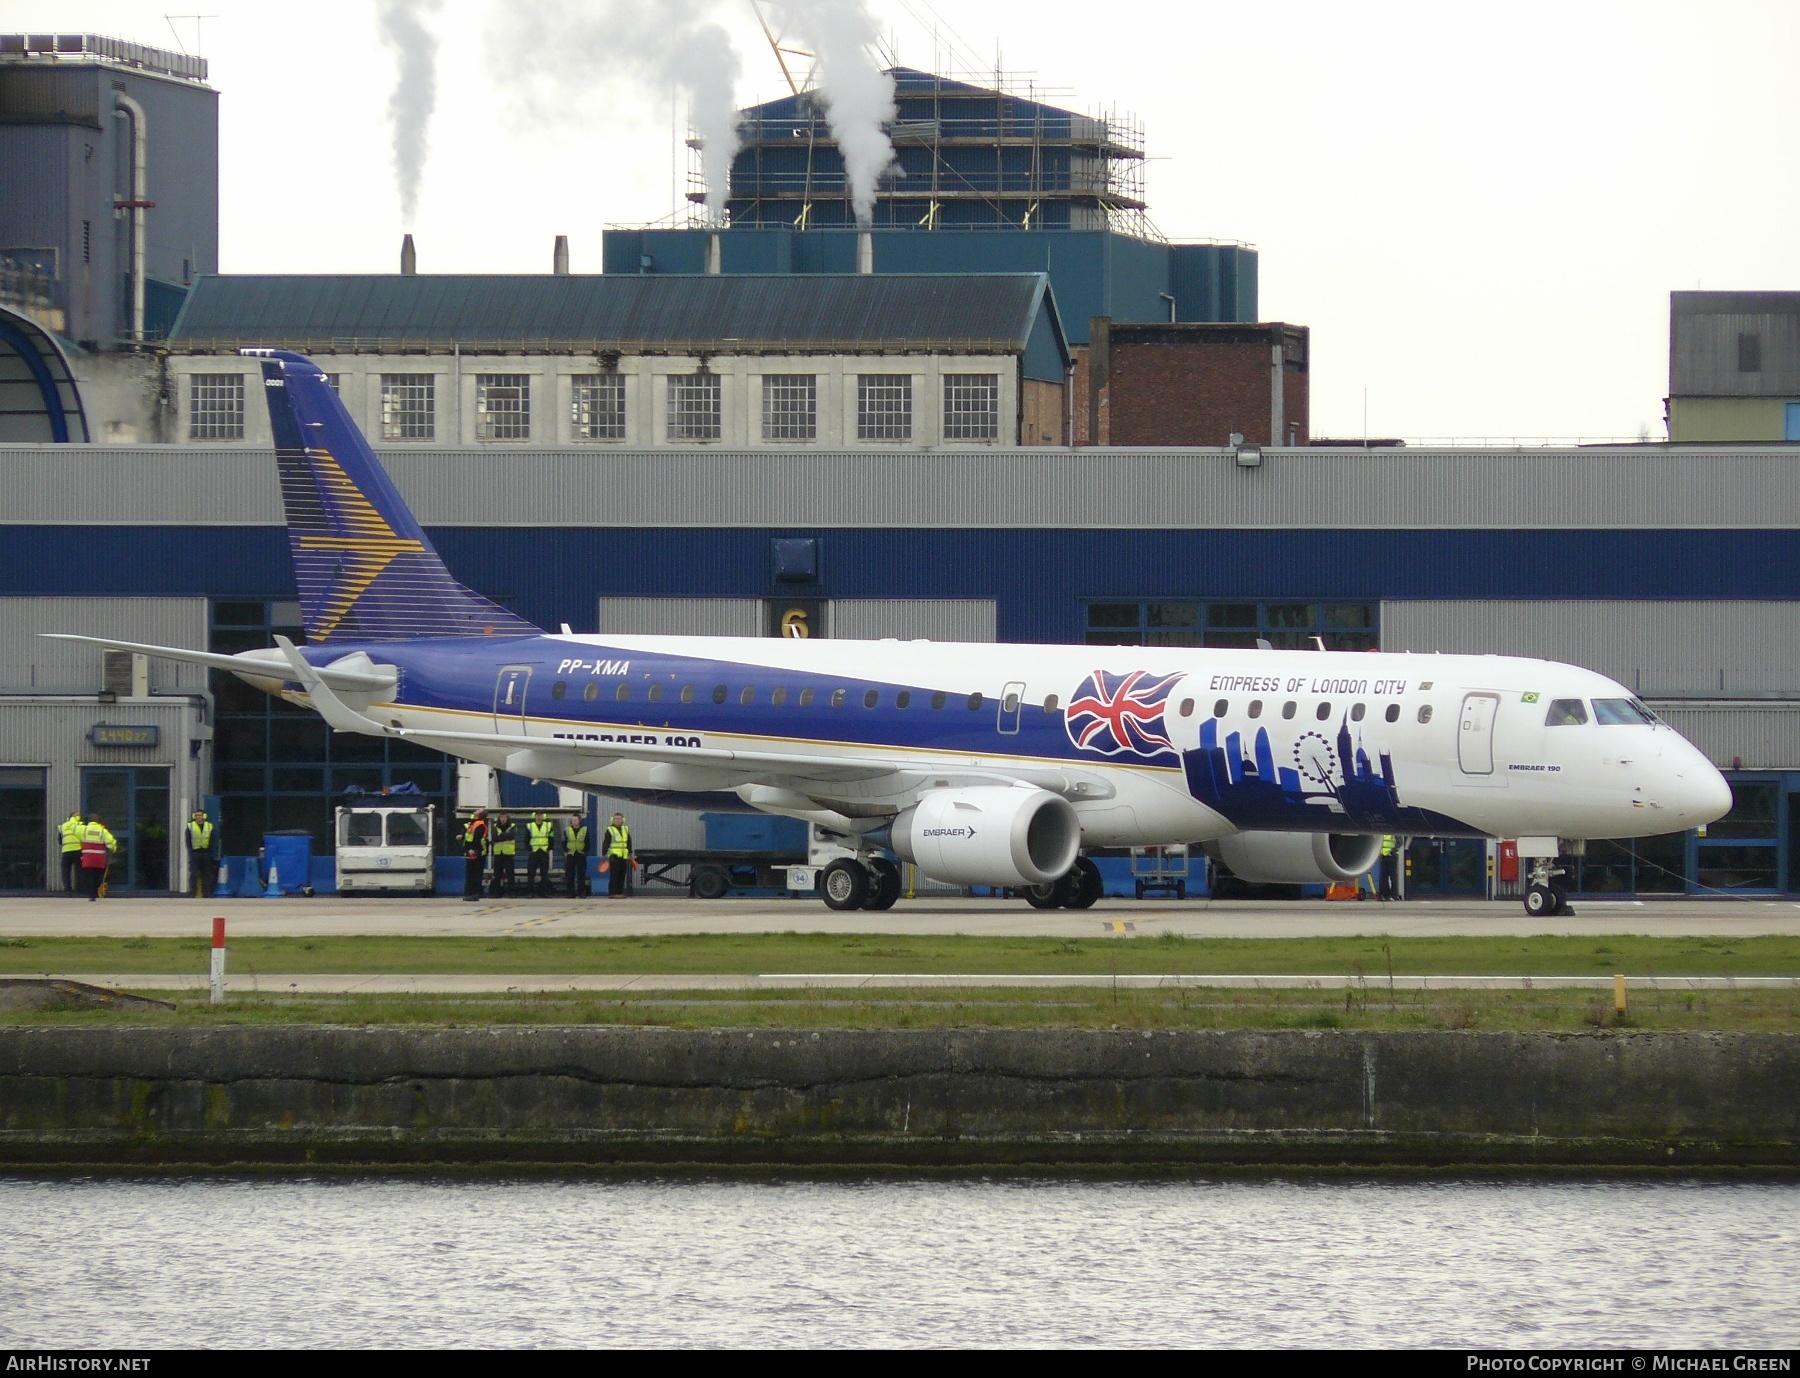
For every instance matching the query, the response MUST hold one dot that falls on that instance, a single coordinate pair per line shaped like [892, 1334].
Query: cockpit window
[1566, 713]
[1622, 712]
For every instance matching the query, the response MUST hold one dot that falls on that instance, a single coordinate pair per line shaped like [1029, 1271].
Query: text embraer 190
[981, 764]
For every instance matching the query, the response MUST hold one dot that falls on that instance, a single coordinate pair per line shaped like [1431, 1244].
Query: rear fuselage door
[1475, 733]
[509, 699]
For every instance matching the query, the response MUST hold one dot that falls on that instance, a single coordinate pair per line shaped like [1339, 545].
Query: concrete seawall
[275, 1096]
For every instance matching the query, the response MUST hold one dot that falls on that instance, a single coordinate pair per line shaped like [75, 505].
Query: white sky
[1479, 210]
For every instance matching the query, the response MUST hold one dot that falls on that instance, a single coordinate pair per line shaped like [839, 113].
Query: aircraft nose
[1704, 794]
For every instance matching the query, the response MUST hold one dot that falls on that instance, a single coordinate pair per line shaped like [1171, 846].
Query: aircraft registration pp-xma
[980, 764]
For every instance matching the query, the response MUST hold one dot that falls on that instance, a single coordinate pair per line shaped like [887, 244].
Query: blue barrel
[287, 861]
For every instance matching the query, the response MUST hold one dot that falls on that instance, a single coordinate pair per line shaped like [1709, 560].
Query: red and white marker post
[218, 961]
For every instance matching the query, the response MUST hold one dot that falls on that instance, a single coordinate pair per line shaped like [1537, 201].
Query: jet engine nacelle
[989, 835]
[1297, 858]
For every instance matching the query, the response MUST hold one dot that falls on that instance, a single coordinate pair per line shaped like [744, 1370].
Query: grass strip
[1010, 1007]
[883, 953]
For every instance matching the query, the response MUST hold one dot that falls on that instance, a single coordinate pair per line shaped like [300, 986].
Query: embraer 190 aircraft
[980, 764]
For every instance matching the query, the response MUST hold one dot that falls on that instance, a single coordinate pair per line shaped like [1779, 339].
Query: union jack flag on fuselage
[1122, 715]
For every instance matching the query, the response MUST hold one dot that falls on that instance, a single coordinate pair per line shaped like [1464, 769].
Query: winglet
[331, 708]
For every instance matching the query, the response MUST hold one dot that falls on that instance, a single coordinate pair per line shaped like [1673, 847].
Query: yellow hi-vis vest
[618, 840]
[200, 836]
[540, 834]
[1387, 844]
[575, 839]
[505, 838]
[72, 829]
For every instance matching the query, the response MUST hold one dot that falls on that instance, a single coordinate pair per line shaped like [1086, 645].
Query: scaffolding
[967, 157]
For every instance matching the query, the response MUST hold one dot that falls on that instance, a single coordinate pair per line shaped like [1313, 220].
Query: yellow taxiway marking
[1119, 926]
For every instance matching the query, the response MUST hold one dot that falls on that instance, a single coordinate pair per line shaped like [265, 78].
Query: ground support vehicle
[1160, 871]
[712, 873]
[386, 846]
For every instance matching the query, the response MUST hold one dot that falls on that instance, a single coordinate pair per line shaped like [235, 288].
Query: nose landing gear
[1543, 896]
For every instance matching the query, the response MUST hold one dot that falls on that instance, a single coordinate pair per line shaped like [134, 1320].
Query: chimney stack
[865, 252]
[713, 253]
[559, 256]
[409, 258]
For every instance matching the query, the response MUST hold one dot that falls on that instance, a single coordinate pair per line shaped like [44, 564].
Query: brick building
[1184, 384]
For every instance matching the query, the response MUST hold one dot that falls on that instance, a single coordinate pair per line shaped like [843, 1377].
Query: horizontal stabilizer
[266, 664]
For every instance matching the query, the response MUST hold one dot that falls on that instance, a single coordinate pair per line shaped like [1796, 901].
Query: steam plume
[415, 91]
[555, 63]
[858, 95]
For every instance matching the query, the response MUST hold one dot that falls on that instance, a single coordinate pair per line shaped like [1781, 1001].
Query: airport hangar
[1674, 568]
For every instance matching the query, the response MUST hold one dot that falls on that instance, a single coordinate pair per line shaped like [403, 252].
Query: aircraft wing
[265, 663]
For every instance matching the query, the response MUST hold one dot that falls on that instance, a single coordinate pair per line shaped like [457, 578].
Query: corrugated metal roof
[986, 312]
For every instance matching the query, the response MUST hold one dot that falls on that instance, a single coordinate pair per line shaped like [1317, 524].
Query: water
[1327, 1263]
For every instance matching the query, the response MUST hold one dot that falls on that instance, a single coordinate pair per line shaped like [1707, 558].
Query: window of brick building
[790, 406]
[216, 406]
[884, 409]
[972, 406]
[502, 406]
[408, 406]
[694, 406]
[597, 406]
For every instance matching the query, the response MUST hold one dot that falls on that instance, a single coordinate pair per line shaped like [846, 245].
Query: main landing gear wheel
[886, 883]
[844, 884]
[1052, 894]
[1540, 901]
[1084, 883]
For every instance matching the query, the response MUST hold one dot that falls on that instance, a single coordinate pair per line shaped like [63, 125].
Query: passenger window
[1255, 709]
[1424, 712]
[938, 699]
[837, 698]
[1010, 704]
[1356, 713]
[778, 695]
[687, 693]
[975, 700]
[903, 698]
[871, 698]
[748, 696]
[806, 698]
[1221, 708]
[1393, 712]
[1566, 713]
[558, 689]
[1050, 703]
[718, 693]
[1322, 712]
[1187, 708]
[1622, 713]
[592, 691]
[623, 692]
[1288, 708]
[655, 694]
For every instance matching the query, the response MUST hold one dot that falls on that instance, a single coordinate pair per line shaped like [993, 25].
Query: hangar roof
[965, 313]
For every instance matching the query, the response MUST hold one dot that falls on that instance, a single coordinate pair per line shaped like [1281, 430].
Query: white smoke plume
[403, 29]
[556, 54]
[858, 95]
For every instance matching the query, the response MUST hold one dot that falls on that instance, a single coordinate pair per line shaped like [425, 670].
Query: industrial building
[1734, 367]
[985, 180]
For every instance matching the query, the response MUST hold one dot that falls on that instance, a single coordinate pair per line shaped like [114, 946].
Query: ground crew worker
[618, 856]
[201, 863]
[505, 846]
[539, 834]
[575, 857]
[1388, 848]
[71, 830]
[97, 847]
[475, 850]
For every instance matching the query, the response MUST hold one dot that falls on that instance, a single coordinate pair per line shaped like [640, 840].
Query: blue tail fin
[365, 570]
